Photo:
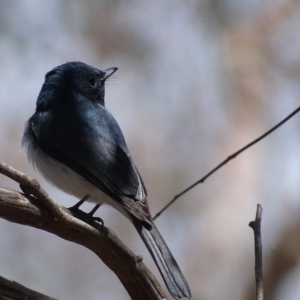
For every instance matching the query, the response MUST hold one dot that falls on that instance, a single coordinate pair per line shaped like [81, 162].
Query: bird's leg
[79, 203]
[91, 214]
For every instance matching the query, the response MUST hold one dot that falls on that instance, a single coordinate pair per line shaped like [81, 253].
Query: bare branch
[229, 158]
[11, 290]
[255, 225]
[43, 213]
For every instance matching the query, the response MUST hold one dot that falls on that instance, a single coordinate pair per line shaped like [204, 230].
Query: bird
[76, 144]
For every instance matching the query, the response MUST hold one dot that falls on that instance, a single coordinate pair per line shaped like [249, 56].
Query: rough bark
[40, 211]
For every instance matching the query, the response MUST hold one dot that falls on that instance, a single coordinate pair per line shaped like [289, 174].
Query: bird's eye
[92, 81]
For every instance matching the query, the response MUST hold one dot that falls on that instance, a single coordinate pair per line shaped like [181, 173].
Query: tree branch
[43, 213]
[255, 225]
[228, 159]
[11, 290]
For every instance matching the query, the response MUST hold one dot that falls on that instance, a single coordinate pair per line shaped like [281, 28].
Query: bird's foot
[98, 220]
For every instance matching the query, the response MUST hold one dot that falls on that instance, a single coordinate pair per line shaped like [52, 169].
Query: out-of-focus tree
[197, 80]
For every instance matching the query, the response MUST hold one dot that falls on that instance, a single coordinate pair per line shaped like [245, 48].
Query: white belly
[65, 178]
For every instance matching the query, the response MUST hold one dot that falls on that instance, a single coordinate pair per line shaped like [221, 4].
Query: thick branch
[79, 228]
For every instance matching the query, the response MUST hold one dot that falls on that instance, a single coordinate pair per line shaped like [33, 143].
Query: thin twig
[256, 225]
[232, 156]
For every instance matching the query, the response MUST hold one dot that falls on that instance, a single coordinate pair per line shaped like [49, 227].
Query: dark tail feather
[164, 260]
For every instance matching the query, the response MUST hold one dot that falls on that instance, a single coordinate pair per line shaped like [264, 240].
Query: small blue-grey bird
[78, 146]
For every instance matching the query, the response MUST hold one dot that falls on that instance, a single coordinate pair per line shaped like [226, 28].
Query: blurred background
[197, 80]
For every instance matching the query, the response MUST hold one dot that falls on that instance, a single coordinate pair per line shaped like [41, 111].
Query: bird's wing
[101, 158]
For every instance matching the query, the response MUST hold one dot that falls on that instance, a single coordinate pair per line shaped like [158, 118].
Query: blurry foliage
[197, 81]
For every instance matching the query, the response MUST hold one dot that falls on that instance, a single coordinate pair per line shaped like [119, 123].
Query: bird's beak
[109, 72]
